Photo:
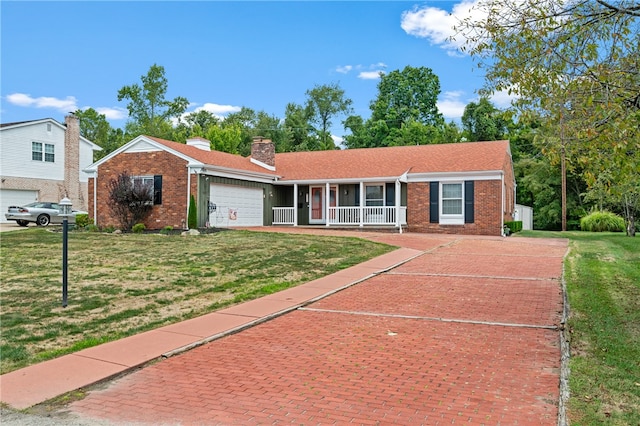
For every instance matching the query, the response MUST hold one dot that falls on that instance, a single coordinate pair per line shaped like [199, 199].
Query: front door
[318, 209]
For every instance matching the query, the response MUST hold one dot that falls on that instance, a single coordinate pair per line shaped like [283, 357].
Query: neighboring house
[465, 188]
[42, 160]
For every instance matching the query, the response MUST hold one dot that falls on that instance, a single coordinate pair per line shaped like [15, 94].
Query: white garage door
[235, 206]
[15, 197]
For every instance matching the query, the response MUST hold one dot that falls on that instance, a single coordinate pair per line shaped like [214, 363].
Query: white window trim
[384, 193]
[451, 219]
[43, 151]
[144, 178]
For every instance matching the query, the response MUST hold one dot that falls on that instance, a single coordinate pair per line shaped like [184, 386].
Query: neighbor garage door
[235, 206]
[15, 197]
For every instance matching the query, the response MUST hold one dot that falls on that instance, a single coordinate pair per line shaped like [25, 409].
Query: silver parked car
[40, 212]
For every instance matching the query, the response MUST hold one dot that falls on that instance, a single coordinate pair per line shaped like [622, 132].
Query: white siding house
[42, 160]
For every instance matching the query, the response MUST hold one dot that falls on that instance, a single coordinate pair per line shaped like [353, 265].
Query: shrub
[130, 199]
[138, 228]
[602, 221]
[192, 222]
[92, 228]
[514, 226]
[166, 229]
[82, 220]
[109, 229]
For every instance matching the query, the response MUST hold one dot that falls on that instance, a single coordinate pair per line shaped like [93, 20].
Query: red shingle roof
[364, 163]
[392, 161]
[214, 158]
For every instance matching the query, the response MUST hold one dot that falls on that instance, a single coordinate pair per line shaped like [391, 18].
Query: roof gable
[18, 124]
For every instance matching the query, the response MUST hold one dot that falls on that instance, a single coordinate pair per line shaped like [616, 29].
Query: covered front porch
[341, 204]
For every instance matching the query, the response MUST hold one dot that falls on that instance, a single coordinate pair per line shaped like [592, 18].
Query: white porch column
[295, 204]
[326, 202]
[397, 205]
[361, 204]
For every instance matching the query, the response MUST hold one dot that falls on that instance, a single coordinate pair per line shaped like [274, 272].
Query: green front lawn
[120, 285]
[602, 273]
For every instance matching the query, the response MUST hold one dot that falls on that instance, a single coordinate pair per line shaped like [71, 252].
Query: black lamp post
[65, 211]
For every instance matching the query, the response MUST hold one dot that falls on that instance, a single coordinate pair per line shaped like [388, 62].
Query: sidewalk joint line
[460, 321]
[499, 277]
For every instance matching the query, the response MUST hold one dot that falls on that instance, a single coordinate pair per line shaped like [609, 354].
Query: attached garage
[15, 197]
[232, 205]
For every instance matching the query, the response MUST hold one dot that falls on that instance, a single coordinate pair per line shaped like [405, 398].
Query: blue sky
[60, 56]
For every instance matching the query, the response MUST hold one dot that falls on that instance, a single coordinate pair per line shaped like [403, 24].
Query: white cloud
[217, 109]
[451, 105]
[344, 69]
[502, 99]
[69, 104]
[112, 113]
[437, 25]
[370, 75]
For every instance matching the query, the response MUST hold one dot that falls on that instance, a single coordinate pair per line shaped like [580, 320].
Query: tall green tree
[297, 128]
[405, 112]
[323, 103]
[150, 112]
[482, 121]
[409, 95]
[95, 127]
[576, 64]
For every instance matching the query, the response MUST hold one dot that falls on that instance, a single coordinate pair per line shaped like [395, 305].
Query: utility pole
[563, 171]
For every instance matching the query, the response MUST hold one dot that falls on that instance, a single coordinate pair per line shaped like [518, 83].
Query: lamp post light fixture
[65, 211]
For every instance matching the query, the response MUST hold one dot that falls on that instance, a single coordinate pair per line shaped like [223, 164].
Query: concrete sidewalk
[32, 385]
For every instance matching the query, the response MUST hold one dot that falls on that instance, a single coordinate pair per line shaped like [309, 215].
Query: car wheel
[22, 222]
[43, 220]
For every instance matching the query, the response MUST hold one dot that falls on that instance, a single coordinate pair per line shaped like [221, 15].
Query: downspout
[295, 204]
[95, 197]
[361, 204]
[186, 216]
[503, 204]
[397, 201]
[327, 196]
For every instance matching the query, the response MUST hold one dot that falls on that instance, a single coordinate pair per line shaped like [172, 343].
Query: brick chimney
[72, 161]
[263, 153]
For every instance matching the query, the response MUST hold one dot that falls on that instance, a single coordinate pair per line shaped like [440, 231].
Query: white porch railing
[378, 215]
[283, 215]
[348, 215]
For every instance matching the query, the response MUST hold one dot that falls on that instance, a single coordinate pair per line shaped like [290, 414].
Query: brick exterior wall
[487, 210]
[172, 211]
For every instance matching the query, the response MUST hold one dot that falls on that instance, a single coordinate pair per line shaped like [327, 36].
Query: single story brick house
[459, 188]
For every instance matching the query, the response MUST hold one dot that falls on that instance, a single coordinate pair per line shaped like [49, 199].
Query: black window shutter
[434, 191]
[468, 202]
[157, 189]
[390, 194]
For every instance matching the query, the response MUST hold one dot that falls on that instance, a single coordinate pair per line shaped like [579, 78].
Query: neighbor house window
[452, 203]
[374, 195]
[40, 152]
[153, 183]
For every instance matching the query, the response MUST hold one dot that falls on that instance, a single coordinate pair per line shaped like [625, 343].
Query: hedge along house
[465, 188]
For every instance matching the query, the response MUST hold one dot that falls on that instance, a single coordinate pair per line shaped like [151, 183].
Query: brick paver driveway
[464, 333]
